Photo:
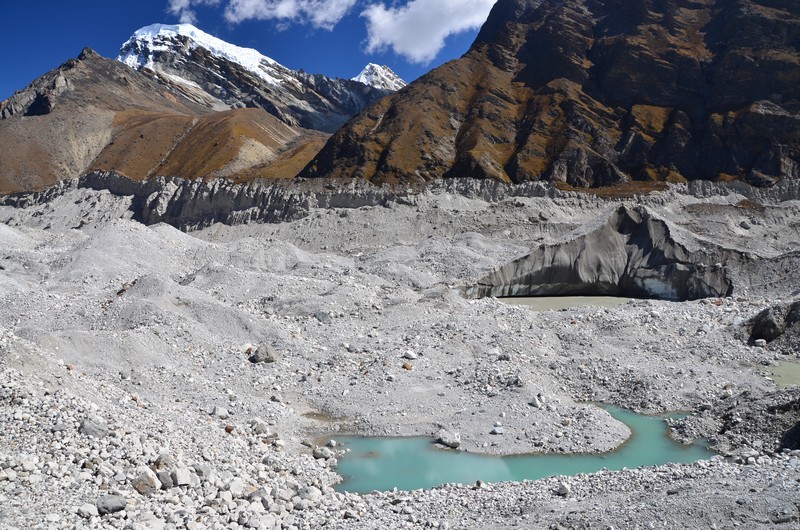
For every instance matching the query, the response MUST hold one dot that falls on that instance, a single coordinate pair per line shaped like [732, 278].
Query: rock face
[632, 253]
[594, 92]
[222, 75]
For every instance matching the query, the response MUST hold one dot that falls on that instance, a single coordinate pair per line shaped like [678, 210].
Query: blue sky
[332, 37]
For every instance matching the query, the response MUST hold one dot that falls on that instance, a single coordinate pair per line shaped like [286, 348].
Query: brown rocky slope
[93, 113]
[592, 93]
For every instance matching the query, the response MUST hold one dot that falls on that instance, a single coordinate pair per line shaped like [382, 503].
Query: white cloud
[418, 30]
[319, 13]
[414, 29]
[184, 9]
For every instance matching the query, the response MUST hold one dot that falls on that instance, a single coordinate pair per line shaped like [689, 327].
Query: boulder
[448, 438]
[768, 325]
[87, 511]
[94, 426]
[111, 504]
[263, 354]
[146, 482]
[773, 322]
[181, 477]
[323, 453]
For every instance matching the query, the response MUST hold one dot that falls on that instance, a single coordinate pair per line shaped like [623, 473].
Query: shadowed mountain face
[595, 92]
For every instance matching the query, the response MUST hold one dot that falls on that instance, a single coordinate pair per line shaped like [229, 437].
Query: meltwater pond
[413, 463]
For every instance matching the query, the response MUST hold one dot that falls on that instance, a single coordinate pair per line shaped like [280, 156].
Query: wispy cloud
[418, 29]
[184, 9]
[318, 13]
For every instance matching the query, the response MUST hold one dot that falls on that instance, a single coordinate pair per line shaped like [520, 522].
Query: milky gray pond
[556, 303]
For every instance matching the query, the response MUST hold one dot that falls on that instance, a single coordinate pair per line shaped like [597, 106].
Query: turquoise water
[414, 463]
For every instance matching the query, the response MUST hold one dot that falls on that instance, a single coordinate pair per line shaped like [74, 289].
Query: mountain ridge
[93, 113]
[593, 93]
[177, 102]
[222, 76]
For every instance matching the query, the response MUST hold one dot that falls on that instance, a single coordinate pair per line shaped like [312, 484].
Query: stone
[260, 427]
[164, 460]
[323, 453]
[448, 438]
[221, 413]
[264, 354]
[204, 471]
[146, 482]
[260, 493]
[148, 521]
[111, 504]
[497, 431]
[165, 477]
[181, 476]
[93, 426]
[87, 511]
[310, 493]
[410, 355]
[284, 494]
[236, 487]
[768, 325]
[564, 489]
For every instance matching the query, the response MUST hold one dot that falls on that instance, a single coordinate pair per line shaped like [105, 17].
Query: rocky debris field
[153, 378]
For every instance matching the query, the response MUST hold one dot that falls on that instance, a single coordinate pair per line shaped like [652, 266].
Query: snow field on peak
[380, 77]
[154, 39]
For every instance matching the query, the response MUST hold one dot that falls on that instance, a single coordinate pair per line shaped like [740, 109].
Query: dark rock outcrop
[777, 322]
[594, 92]
[632, 253]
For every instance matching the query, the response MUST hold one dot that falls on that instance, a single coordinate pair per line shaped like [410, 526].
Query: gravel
[130, 398]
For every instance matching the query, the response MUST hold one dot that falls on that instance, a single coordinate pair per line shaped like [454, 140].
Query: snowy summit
[139, 51]
[380, 77]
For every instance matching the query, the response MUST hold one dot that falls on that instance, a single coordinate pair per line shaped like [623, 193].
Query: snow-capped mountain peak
[380, 77]
[220, 75]
[139, 51]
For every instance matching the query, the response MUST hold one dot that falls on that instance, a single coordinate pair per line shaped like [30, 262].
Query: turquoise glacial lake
[415, 463]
